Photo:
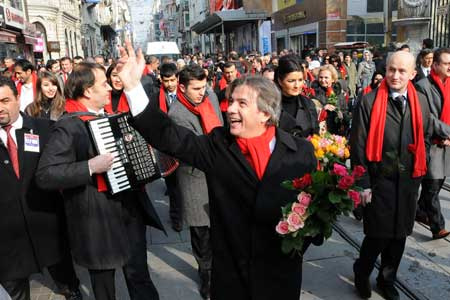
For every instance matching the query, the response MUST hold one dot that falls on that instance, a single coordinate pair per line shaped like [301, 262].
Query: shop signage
[282, 4]
[53, 46]
[39, 46]
[2, 17]
[14, 17]
[29, 29]
[295, 16]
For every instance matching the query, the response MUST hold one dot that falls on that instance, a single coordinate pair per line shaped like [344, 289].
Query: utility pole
[387, 8]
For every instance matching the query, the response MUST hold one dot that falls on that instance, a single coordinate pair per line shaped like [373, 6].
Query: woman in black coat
[298, 113]
[337, 117]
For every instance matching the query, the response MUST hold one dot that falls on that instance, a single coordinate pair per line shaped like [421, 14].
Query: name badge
[31, 142]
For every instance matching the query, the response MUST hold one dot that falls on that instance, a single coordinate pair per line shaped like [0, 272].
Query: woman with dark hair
[49, 102]
[118, 103]
[298, 115]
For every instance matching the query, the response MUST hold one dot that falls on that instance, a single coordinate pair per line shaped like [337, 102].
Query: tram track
[399, 284]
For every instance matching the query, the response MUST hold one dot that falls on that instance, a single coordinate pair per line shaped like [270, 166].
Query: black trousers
[62, 273]
[174, 198]
[201, 247]
[391, 251]
[429, 203]
[137, 276]
[17, 289]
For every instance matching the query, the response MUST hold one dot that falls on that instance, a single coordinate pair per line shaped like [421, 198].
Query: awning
[7, 37]
[229, 18]
[31, 40]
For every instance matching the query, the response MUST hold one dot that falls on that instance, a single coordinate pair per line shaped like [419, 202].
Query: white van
[163, 49]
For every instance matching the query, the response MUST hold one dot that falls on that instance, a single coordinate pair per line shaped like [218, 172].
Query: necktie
[12, 150]
[400, 103]
[172, 98]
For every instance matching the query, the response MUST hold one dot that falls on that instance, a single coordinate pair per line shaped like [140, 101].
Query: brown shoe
[441, 234]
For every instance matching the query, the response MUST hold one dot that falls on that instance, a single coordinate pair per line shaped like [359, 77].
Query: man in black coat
[435, 88]
[31, 227]
[245, 195]
[394, 154]
[105, 231]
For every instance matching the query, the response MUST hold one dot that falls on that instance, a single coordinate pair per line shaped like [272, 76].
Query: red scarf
[445, 92]
[33, 83]
[162, 99]
[367, 90]
[76, 106]
[208, 118]
[374, 145]
[257, 150]
[343, 72]
[223, 85]
[122, 107]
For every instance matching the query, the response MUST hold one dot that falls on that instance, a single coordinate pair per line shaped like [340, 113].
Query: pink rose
[282, 227]
[294, 221]
[346, 182]
[301, 183]
[340, 170]
[304, 199]
[298, 208]
[358, 171]
[354, 195]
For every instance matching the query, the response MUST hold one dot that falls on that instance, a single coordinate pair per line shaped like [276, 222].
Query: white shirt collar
[18, 124]
[101, 111]
[395, 94]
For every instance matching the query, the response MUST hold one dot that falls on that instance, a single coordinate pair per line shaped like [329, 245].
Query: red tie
[12, 150]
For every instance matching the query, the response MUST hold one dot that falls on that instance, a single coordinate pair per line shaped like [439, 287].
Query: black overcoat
[30, 223]
[305, 121]
[247, 258]
[96, 221]
[394, 191]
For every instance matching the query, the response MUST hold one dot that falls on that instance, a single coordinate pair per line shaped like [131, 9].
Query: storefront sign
[39, 46]
[6, 37]
[53, 46]
[29, 29]
[2, 17]
[295, 17]
[14, 17]
[265, 45]
[282, 4]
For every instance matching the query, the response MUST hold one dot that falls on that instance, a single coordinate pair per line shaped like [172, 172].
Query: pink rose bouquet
[322, 195]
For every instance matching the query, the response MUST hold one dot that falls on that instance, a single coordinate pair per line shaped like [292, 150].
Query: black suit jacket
[247, 259]
[97, 221]
[30, 223]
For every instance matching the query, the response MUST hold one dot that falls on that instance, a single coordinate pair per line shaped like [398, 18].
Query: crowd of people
[238, 126]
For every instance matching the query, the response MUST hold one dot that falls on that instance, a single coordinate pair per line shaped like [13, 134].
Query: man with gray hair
[390, 138]
[244, 167]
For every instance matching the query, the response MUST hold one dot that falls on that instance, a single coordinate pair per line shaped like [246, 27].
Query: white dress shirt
[18, 124]
[425, 71]
[26, 95]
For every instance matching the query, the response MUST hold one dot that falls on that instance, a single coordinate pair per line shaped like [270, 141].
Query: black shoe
[388, 291]
[205, 280]
[358, 213]
[72, 294]
[362, 284]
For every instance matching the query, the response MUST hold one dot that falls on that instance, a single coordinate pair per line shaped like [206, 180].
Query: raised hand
[130, 66]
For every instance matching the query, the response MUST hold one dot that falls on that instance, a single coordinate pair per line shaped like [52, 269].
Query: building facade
[59, 25]
[141, 21]
[18, 37]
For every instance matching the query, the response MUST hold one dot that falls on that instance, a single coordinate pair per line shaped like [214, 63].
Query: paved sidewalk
[327, 272]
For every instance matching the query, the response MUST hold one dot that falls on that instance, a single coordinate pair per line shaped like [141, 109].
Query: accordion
[134, 163]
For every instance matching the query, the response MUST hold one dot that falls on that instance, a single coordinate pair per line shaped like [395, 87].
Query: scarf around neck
[34, 79]
[375, 137]
[444, 88]
[122, 107]
[257, 150]
[76, 106]
[205, 110]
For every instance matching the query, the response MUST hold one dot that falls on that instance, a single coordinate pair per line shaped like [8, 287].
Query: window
[374, 6]
[375, 28]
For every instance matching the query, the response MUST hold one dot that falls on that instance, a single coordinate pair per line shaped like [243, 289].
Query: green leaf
[287, 184]
[334, 197]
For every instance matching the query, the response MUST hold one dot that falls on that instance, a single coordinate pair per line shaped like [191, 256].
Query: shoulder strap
[77, 114]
